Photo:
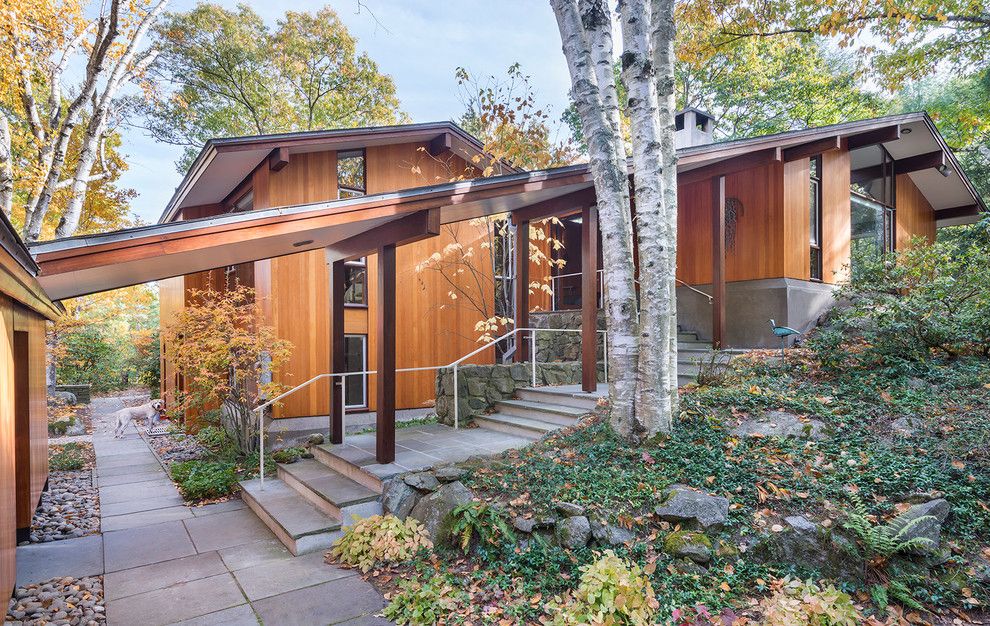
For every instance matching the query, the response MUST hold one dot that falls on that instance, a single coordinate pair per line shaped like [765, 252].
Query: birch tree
[40, 41]
[642, 340]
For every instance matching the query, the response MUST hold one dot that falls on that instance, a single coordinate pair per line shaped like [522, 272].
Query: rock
[75, 429]
[686, 544]
[569, 509]
[921, 497]
[316, 439]
[423, 481]
[449, 473]
[609, 535]
[907, 426]
[398, 498]
[694, 509]
[931, 515]
[573, 532]
[65, 397]
[781, 424]
[803, 541]
[524, 525]
[434, 510]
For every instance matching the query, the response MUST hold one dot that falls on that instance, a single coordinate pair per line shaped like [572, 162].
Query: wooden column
[589, 298]
[336, 350]
[718, 261]
[385, 326]
[522, 290]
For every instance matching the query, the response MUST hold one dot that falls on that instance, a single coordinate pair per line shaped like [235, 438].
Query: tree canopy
[229, 74]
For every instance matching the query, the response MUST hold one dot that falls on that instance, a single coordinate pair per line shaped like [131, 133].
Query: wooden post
[385, 414]
[522, 290]
[589, 298]
[718, 261]
[336, 350]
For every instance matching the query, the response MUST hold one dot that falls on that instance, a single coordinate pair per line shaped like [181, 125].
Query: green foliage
[419, 603]
[204, 480]
[612, 591]
[882, 541]
[234, 75]
[287, 455]
[926, 300]
[70, 457]
[380, 539]
[481, 521]
[216, 441]
[805, 603]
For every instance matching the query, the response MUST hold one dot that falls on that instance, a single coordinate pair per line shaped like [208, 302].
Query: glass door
[356, 360]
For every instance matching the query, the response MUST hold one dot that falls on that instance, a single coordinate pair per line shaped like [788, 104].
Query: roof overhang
[224, 163]
[18, 274]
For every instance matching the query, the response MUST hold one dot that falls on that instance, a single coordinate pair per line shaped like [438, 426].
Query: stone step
[578, 400]
[543, 411]
[327, 454]
[300, 526]
[328, 490]
[515, 425]
[687, 336]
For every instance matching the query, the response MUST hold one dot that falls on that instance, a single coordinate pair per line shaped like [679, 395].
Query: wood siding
[915, 216]
[836, 216]
[8, 468]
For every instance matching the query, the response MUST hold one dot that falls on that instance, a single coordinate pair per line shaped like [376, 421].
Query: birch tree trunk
[580, 34]
[6, 168]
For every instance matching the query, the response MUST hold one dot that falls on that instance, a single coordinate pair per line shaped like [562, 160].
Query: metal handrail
[696, 290]
[453, 365]
[600, 296]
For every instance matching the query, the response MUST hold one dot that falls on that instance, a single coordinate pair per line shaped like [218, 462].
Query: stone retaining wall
[481, 386]
[562, 346]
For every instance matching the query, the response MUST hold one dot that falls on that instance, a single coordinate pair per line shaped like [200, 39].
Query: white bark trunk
[6, 168]
[612, 189]
[662, 40]
[652, 232]
[81, 178]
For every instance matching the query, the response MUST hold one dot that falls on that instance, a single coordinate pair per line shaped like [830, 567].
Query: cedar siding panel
[8, 485]
[915, 216]
[836, 217]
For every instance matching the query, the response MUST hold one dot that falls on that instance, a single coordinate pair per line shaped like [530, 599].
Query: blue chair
[783, 332]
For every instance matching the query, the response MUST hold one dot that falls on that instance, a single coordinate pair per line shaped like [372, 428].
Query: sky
[419, 43]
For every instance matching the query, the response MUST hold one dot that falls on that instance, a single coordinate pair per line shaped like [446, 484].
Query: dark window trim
[364, 172]
[364, 379]
[819, 269]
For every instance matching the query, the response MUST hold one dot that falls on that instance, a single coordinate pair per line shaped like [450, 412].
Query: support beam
[873, 137]
[916, 163]
[522, 290]
[589, 298]
[557, 207]
[812, 148]
[440, 144]
[413, 227]
[385, 327]
[718, 262]
[278, 159]
[966, 210]
[730, 166]
[336, 270]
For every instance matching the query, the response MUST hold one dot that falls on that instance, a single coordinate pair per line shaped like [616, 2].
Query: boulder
[65, 397]
[686, 544]
[524, 525]
[316, 439]
[449, 473]
[805, 542]
[434, 510]
[923, 521]
[569, 509]
[398, 498]
[694, 509]
[76, 428]
[781, 424]
[573, 532]
[422, 481]
[907, 426]
[609, 535]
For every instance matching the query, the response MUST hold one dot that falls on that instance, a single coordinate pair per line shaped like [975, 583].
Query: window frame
[816, 269]
[361, 263]
[355, 192]
[364, 367]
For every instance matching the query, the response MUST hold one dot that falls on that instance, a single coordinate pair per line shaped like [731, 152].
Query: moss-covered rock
[686, 544]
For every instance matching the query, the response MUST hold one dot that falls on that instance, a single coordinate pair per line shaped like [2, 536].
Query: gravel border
[63, 600]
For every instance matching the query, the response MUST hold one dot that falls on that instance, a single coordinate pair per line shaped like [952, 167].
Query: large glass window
[351, 174]
[356, 282]
[815, 204]
[874, 212]
[355, 360]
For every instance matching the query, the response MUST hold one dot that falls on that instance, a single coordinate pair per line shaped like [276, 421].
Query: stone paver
[178, 602]
[223, 530]
[145, 518]
[70, 557]
[275, 577]
[242, 615]
[147, 578]
[312, 605]
[124, 549]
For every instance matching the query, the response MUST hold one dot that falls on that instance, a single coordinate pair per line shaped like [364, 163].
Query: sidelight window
[351, 174]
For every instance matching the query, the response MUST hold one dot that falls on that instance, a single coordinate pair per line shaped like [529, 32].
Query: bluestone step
[300, 526]
[515, 425]
[585, 401]
[543, 411]
[330, 491]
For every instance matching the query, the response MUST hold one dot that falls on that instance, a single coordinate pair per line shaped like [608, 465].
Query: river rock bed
[59, 601]
[70, 508]
[175, 447]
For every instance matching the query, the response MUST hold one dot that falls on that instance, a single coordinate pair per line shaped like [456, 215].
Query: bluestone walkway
[166, 563]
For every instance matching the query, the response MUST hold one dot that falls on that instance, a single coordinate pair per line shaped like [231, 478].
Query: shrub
[70, 457]
[215, 439]
[380, 539]
[422, 604]
[800, 603]
[287, 455]
[478, 520]
[204, 480]
[612, 591]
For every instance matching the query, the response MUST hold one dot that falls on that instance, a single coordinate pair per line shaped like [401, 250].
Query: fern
[903, 594]
[477, 519]
[880, 597]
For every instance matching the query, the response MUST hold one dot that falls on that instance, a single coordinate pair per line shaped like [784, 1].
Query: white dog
[151, 411]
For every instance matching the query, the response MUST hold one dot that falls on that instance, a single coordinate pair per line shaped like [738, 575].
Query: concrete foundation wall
[751, 304]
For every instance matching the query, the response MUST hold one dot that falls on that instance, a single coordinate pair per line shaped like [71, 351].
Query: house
[330, 226]
[24, 309]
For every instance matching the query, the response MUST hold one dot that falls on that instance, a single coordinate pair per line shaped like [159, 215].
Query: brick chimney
[693, 127]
